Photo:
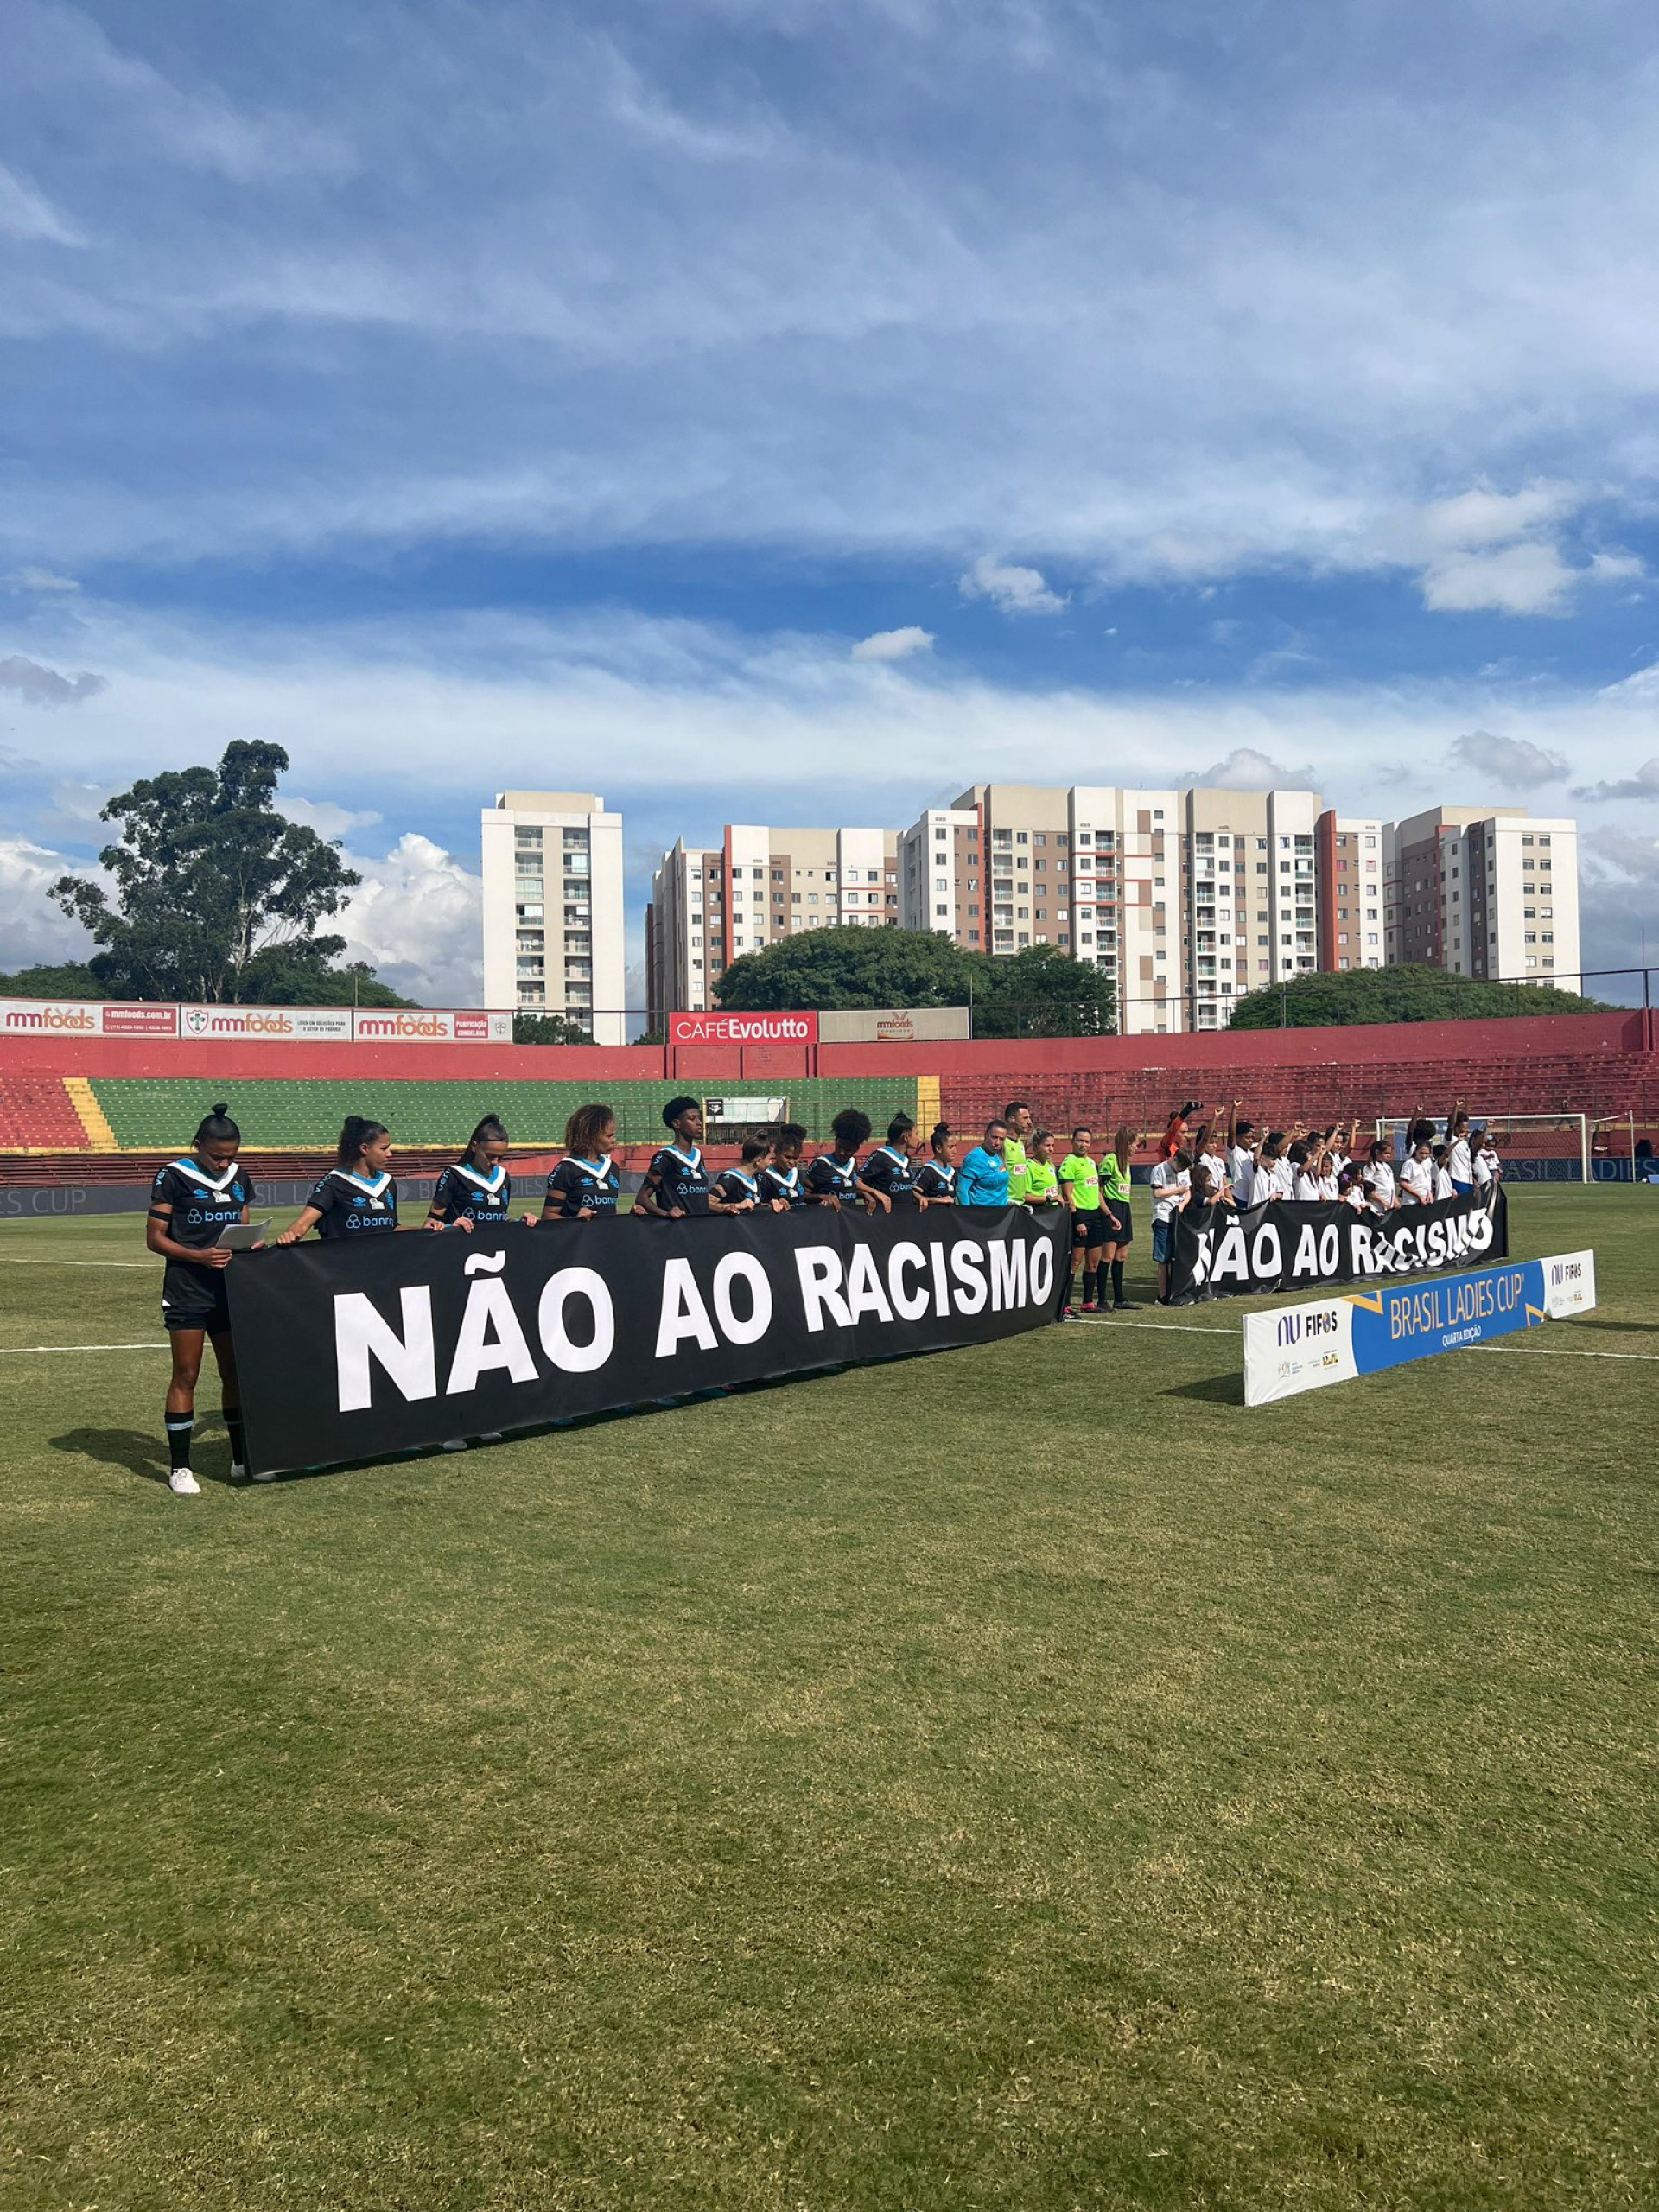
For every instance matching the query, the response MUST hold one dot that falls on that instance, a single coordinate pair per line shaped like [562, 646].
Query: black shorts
[193, 1298]
[1121, 1208]
[1090, 1230]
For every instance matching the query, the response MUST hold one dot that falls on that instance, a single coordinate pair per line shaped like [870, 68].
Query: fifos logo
[1323, 1322]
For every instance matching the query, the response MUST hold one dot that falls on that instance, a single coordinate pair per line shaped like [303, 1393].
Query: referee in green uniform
[1115, 1194]
[1091, 1222]
[1018, 1121]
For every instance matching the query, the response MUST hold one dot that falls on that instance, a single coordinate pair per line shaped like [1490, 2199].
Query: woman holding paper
[193, 1201]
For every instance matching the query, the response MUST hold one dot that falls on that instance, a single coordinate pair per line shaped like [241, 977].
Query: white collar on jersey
[595, 1170]
[199, 1175]
[893, 1154]
[361, 1182]
[747, 1181]
[788, 1181]
[692, 1158]
[845, 1171]
[484, 1182]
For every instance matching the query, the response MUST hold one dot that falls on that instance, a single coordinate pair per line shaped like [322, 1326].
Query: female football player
[478, 1187]
[191, 1201]
[357, 1196]
[585, 1184]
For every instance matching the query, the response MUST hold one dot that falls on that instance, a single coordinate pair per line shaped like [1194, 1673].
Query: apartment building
[1186, 899]
[1351, 851]
[553, 928]
[711, 905]
[1486, 892]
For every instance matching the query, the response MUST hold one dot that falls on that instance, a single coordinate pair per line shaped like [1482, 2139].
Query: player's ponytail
[216, 1127]
[489, 1131]
[358, 1132]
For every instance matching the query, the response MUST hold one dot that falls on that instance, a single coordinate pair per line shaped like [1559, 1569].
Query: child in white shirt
[1377, 1176]
[1417, 1175]
[1171, 1185]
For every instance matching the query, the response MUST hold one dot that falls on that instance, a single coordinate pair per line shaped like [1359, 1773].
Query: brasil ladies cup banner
[1296, 1348]
[353, 1350]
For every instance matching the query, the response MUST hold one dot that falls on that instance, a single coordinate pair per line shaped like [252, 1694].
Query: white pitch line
[1553, 1352]
[1179, 1328]
[31, 1261]
[15, 1351]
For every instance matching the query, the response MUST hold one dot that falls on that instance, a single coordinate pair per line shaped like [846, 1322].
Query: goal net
[1534, 1147]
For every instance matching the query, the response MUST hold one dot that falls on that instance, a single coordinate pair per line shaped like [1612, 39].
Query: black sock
[1118, 1283]
[1090, 1284]
[1070, 1297]
[179, 1428]
[239, 1442]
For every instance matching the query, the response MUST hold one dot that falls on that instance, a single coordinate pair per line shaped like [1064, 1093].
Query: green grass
[1014, 1778]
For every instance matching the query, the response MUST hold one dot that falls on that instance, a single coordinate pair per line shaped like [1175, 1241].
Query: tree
[209, 880]
[285, 977]
[75, 980]
[848, 968]
[1041, 992]
[1335, 999]
[548, 1029]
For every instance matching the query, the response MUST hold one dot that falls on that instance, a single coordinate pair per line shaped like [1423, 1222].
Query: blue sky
[543, 394]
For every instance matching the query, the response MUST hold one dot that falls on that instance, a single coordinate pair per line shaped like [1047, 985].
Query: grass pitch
[1020, 1777]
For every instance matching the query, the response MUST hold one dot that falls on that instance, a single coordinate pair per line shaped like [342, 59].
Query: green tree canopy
[1409, 993]
[74, 980]
[1041, 992]
[548, 1029]
[216, 895]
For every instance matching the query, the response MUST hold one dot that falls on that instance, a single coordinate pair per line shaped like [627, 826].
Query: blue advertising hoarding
[1307, 1346]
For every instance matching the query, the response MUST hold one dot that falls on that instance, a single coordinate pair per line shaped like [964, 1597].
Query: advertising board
[84, 1018]
[919, 1025]
[743, 1029]
[259, 1025]
[426, 1024]
[1307, 1346]
[268, 1025]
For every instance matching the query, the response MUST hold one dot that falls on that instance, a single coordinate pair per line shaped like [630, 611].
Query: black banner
[1288, 1245]
[351, 1350]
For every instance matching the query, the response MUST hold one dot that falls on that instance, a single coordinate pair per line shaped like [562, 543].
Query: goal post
[1534, 1147]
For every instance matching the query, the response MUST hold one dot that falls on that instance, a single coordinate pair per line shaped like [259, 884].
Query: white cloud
[1617, 568]
[1245, 769]
[1484, 517]
[1010, 589]
[42, 580]
[28, 215]
[326, 818]
[1514, 579]
[1516, 762]
[894, 645]
[417, 920]
[45, 687]
[1644, 784]
[32, 930]
[1619, 898]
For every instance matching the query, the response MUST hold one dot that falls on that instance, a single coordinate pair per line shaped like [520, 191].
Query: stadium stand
[151, 1112]
[105, 1110]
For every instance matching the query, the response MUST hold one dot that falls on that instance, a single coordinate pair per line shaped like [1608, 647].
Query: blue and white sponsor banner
[1295, 1348]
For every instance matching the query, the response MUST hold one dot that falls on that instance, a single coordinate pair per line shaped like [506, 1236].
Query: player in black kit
[357, 1196]
[477, 1189]
[677, 1182]
[191, 1201]
[890, 1171]
[585, 1184]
